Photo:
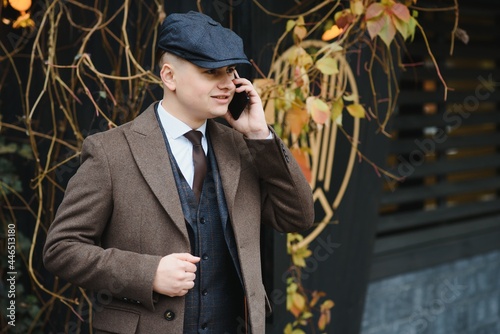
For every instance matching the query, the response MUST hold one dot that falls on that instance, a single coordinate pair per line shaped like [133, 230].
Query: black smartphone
[238, 103]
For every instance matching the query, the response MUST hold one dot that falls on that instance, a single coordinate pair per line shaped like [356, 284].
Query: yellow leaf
[327, 304]
[295, 303]
[402, 27]
[356, 110]
[288, 329]
[300, 32]
[319, 110]
[328, 65]
[337, 107]
[289, 25]
[298, 331]
[357, 7]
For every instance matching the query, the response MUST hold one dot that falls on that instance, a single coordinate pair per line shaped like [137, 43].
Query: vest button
[204, 292]
[204, 257]
[169, 315]
[202, 220]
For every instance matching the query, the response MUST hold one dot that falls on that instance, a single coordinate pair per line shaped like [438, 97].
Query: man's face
[202, 93]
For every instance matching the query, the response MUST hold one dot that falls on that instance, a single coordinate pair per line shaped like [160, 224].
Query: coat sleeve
[287, 202]
[72, 250]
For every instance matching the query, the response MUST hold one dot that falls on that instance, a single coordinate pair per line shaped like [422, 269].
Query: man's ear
[167, 76]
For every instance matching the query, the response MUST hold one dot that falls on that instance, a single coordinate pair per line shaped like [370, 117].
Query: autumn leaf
[401, 12]
[325, 316]
[297, 118]
[300, 32]
[264, 88]
[302, 159]
[316, 295]
[328, 65]
[374, 10]
[318, 109]
[299, 254]
[331, 33]
[337, 107]
[356, 110]
[289, 330]
[388, 30]
[344, 18]
[289, 25]
[357, 7]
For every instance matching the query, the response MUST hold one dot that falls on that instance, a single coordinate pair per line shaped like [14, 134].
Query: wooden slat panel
[409, 145]
[449, 166]
[413, 219]
[395, 242]
[412, 97]
[420, 193]
[410, 122]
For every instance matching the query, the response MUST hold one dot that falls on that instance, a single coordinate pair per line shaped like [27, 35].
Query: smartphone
[238, 103]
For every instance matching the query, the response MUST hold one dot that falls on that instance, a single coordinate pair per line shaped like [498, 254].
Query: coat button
[204, 292]
[202, 220]
[204, 257]
[204, 326]
[169, 315]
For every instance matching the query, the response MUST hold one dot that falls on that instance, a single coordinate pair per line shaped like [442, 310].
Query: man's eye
[230, 70]
[210, 71]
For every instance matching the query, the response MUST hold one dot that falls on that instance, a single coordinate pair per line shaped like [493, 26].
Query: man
[176, 251]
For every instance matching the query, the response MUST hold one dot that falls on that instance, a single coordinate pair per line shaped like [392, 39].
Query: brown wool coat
[121, 214]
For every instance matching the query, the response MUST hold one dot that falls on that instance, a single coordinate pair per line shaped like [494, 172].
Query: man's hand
[252, 122]
[175, 274]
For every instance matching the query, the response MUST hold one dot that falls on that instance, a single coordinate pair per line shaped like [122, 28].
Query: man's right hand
[175, 274]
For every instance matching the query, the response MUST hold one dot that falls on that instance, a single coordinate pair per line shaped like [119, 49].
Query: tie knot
[194, 137]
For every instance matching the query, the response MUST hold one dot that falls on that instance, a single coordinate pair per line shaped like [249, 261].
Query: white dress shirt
[181, 147]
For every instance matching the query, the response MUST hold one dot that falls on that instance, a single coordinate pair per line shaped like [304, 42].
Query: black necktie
[199, 161]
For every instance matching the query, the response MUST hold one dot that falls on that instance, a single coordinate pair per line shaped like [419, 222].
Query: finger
[187, 257]
[189, 267]
[190, 277]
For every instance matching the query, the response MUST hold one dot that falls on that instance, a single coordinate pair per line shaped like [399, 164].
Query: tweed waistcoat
[215, 304]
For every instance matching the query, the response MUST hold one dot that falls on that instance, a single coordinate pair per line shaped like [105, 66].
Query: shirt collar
[174, 127]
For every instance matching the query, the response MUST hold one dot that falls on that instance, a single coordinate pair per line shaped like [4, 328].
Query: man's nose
[227, 82]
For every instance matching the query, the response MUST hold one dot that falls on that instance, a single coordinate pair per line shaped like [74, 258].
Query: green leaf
[328, 65]
[388, 31]
[289, 25]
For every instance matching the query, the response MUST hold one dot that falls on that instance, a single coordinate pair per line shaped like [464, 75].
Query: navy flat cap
[200, 40]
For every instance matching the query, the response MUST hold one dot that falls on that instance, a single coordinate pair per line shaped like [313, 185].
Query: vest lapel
[148, 148]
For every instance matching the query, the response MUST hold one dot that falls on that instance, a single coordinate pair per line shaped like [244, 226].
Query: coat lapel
[228, 160]
[148, 148]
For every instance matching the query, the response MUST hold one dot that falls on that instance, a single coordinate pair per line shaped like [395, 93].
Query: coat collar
[148, 148]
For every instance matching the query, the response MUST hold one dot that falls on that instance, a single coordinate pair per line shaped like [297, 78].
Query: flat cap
[200, 40]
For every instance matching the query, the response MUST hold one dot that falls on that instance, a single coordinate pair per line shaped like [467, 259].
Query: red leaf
[374, 10]
[401, 12]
